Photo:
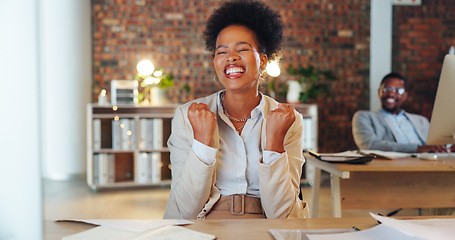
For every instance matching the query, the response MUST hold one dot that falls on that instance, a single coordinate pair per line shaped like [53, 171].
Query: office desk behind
[398, 183]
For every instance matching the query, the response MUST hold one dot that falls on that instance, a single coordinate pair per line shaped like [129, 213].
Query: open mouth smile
[391, 100]
[232, 71]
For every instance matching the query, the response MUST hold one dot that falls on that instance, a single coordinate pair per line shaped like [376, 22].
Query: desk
[399, 183]
[226, 229]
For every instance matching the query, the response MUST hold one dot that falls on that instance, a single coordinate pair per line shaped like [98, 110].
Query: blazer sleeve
[279, 183]
[370, 133]
[191, 178]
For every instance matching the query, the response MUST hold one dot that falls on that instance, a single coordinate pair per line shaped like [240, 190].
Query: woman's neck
[240, 105]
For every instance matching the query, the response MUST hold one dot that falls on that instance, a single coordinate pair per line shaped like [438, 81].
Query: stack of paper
[390, 228]
[353, 157]
[302, 234]
[114, 229]
[386, 154]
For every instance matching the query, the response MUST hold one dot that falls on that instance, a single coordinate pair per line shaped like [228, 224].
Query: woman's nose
[232, 57]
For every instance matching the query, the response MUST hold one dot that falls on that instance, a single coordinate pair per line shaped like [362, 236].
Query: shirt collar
[255, 113]
[401, 113]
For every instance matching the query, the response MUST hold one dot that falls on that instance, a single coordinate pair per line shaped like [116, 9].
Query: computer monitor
[442, 125]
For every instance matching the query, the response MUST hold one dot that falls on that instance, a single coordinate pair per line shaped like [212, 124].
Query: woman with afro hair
[237, 153]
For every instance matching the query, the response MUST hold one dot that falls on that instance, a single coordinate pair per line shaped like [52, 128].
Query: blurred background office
[358, 41]
[57, 56]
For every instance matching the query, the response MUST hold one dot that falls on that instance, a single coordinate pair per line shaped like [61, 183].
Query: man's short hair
[396, 75]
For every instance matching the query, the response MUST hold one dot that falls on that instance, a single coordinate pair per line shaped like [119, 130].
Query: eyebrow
[238, 43]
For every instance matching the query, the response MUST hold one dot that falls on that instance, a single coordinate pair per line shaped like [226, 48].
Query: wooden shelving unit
[122, 164]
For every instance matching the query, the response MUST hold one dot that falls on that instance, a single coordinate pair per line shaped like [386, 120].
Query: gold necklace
[238, 129]
[229, 115]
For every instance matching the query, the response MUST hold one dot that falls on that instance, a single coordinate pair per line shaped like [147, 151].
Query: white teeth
[234, 70]
[390, 100]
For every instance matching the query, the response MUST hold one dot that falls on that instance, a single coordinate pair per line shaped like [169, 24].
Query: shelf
[130, 184]
[127, 145]
[140, 150]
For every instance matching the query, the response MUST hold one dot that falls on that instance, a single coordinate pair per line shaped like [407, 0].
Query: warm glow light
[114, 108]
[151, 80]
[103, 92]
[158, 73]
[116, 118]
[145, 67]
[273, 69]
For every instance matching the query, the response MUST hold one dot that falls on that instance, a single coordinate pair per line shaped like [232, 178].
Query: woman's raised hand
[203, 122]
[278, 123]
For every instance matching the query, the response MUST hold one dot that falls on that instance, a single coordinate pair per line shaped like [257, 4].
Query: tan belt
[239, 204]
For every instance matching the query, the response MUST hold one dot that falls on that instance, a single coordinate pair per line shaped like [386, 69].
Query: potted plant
[152, 88]
[312, 82]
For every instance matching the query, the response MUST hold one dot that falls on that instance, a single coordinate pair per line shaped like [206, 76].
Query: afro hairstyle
[256, 16]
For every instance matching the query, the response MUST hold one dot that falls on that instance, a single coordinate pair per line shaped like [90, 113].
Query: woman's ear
[263, 57]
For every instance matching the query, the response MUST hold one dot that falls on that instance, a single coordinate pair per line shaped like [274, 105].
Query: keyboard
[436, 156]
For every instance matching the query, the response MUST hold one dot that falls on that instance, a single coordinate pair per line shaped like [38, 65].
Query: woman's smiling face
[237, 61]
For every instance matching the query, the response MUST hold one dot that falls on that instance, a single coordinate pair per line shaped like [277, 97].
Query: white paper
[425, 228]
[163, 233]
[394, 229]
[101, 233]
[387, 154]
[342, 154]
[380, 232]
[173, 233]
[132, 224]
[301, 234]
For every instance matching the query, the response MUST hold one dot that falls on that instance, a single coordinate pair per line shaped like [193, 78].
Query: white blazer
[193, 189]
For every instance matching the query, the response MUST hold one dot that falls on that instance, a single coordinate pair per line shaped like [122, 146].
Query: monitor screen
[442, 124]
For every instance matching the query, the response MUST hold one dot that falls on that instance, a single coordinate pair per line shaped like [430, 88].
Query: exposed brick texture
[329, 34]
[422, 37]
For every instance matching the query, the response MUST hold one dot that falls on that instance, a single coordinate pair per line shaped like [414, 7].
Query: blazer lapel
[213, 107]
[417, 126]
[264, 123]
[388, 122]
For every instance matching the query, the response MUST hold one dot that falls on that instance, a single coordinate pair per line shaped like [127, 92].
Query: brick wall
[331, 35]
[422, 37]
